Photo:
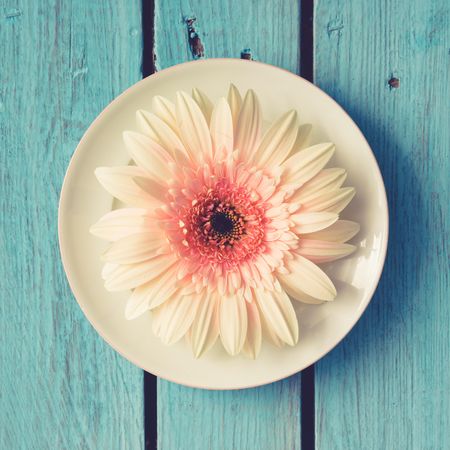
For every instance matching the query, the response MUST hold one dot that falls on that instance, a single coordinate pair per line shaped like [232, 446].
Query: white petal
[233, 323]
[268, 332]
[193, 128]
[159, 131]
[235, 102]
[323, 251]
[278, 140]
[324, 181]
[279, 314]
[340, 231]
[165, 110]
[132, 275]
[222, 129]
[332, 201]
[301, 297]
[306, 277]
[135, 248]
[120, 183]
[252, 345]
[175, 317]
[302, 166]
[164, 286]
[308, 222]
[205, 327]
[152, 294]
[249, 125]
[154, 188]
[137, 304]
[108, 269]
[303, 138]
[149, 155]
[123, 222]
[204, 103]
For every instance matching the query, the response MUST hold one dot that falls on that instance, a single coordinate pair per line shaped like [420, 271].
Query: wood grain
[387, 385]
[266, 417]
[226, 28]
[62, 387]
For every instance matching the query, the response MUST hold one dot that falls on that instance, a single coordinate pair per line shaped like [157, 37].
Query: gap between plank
[150, 381]
[148, 38]
[307, 412]
[308, 432]
[307, 39]
[150, 411]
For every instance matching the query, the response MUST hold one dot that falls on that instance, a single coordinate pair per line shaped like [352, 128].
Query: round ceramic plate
[84, 201]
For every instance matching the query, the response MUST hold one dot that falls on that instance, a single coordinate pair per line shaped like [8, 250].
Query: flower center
[222, 223]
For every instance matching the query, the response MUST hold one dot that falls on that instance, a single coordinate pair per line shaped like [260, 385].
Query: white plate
[83, 201]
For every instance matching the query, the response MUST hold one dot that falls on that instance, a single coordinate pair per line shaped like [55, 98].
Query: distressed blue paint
[388, 384]
[61, 385]
[266, 417]
[270, 29]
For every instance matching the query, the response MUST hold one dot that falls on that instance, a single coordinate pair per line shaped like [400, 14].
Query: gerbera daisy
[225, 223]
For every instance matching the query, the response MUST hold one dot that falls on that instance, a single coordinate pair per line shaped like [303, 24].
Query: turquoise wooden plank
[266, 418]
[62, 387]
[387, 385]
[260, 418]
[226, 28]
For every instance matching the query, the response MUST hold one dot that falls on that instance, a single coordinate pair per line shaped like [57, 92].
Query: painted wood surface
[62, 387]
[385, 386]
[226, 29]
[266, 417]
[388, 385]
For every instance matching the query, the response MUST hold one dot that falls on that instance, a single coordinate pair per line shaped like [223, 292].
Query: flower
[225, 223]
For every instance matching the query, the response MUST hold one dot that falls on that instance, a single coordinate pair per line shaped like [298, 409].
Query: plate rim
[64, 195]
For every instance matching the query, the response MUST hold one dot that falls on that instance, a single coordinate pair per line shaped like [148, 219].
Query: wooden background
[387, 386]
